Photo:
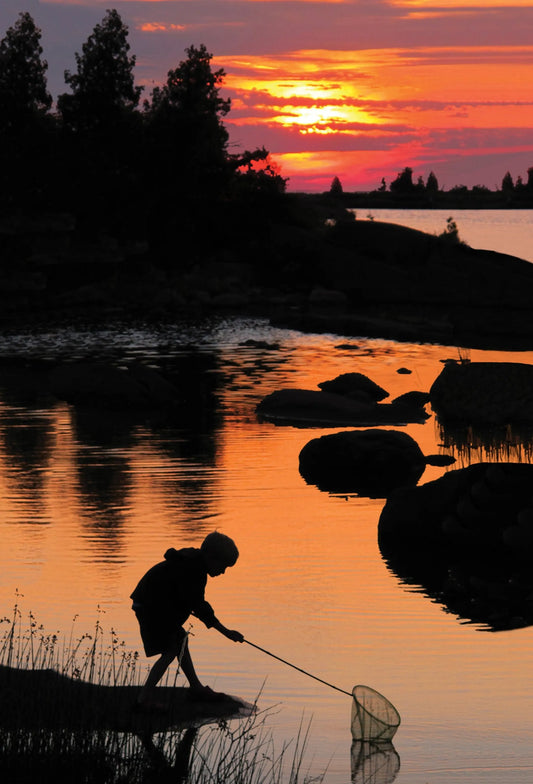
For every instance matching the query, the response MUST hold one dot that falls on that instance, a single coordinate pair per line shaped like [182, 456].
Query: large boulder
[484, 393]
[368, 462]
[467, 540]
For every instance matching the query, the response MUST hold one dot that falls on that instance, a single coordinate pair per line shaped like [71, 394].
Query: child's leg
[154, 676]
[188, 667]
[158, 669]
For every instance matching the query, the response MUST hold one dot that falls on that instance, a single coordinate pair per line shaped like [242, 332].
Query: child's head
[220, 552]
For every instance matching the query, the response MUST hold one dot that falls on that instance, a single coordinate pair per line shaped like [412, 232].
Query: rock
[311, 408]
[484, 393]
[484, 498]
[262, 344]
[412, 403]
[467, 540]
[353, 384]
[368, 462]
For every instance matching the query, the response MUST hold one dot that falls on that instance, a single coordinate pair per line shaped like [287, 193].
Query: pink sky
[352, 88]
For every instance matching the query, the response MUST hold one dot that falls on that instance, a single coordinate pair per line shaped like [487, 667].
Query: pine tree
[432, 184]
[336, 187]
[103, 88]
[185, 131]
[24, 97]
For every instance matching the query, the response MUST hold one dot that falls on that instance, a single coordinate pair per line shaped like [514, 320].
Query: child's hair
[221, 547]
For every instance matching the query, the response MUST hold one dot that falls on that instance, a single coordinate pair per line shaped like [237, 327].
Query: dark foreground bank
[312, 268]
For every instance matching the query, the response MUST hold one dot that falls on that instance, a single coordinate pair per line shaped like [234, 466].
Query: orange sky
[354, 88]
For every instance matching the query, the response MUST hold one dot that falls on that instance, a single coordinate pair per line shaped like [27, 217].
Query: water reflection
[174, 767]
[374, 763]
[473, 444]
[115, 492]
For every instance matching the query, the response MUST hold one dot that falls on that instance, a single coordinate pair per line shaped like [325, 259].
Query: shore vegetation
[66, 715]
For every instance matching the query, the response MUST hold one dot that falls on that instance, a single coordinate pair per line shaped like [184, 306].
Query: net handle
[297, 668]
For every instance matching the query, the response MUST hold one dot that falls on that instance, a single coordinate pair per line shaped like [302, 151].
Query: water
[88, 503]
[506, 231]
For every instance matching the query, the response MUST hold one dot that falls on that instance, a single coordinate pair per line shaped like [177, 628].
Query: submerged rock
[311, 408]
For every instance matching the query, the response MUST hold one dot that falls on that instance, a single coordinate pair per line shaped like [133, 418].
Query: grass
[66, 715]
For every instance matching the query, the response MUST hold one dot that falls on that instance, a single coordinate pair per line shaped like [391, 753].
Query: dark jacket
[175, 587]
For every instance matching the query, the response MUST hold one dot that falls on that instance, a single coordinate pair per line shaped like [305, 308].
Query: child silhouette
[166, 596]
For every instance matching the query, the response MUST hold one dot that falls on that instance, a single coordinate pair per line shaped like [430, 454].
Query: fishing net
[374, 718]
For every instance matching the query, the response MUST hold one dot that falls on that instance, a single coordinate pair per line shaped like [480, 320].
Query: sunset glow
[368, 87]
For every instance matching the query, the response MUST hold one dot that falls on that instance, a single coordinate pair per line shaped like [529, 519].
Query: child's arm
[212, 622]
[231, 634]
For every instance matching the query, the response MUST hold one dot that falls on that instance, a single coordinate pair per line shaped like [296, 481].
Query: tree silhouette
[24, 96]
[336, 187]
[103, 87]
[403, 182]
[26, 143]
[507, 183]
[188, 171]
[185, 115]
[102, 133]
[432, 184]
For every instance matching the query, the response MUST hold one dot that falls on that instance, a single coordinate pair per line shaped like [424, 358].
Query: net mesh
[374, 718]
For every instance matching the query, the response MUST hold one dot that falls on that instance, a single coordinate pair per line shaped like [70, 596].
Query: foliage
[26, 126]
[507, 183]
[23, 90]
[193, 88]
[186, 165]
[185, 115]
[103, 88]
[336, 187]
[451, 233]
[403, 182]
[256, 174]
[432, 184]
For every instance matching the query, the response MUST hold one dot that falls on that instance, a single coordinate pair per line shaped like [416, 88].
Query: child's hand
[234, 635]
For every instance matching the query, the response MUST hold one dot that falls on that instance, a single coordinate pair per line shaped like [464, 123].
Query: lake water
[88, 503]
[506, 231]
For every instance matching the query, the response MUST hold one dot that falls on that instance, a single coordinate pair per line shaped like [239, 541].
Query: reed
[87, 656]
[234, 752]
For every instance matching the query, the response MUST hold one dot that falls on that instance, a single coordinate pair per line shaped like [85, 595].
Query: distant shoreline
[491, 200]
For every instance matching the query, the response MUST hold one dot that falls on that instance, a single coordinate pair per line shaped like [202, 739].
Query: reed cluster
[89, 656]
[47, 681]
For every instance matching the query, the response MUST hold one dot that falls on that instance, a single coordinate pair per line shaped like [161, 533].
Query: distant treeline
[157, 169]
[404, 192]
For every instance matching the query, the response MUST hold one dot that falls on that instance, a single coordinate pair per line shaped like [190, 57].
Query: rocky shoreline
[350, 277]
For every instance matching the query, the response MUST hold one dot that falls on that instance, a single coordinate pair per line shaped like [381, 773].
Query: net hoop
[374, 718]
